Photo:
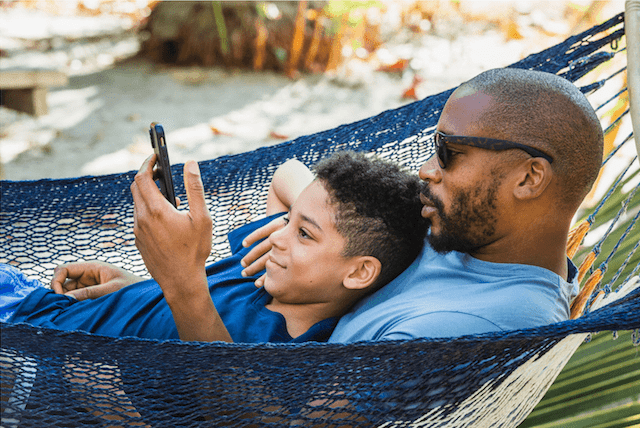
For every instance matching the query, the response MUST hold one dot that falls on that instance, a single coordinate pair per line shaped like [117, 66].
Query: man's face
[305, 264]
[469, 221]
[462, 201]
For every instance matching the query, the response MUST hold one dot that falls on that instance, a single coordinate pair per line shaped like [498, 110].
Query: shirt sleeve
[439, 324]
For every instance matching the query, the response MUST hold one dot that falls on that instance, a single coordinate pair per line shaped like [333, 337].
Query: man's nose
[430, 170]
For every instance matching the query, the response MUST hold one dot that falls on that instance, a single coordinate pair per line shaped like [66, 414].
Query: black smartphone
[163, 167]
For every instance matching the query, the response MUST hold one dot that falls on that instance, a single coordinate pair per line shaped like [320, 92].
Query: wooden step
[25, 90]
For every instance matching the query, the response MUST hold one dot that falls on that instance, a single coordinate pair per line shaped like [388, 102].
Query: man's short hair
[549, 113]
[378, 209]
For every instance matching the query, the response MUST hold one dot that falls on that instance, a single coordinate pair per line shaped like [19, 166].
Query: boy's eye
[286, 220]
[303, 233]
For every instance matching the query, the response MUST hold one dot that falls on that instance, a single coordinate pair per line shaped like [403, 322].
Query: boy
[355, 227]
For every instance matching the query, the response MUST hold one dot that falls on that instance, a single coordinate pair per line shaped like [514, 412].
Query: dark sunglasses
[441, 141]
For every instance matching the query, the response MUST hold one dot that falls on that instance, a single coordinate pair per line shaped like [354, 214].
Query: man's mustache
[428, 198]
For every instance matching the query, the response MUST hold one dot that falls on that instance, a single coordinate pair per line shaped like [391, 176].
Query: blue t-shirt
[456, 294]
[140, 309]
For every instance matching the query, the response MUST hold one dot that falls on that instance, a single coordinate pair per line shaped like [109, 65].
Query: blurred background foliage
[317, 36]
[313, 35]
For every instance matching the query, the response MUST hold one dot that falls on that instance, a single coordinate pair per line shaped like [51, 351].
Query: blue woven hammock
[54, 378]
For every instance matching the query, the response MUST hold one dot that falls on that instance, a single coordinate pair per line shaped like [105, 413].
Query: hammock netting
[54, 378]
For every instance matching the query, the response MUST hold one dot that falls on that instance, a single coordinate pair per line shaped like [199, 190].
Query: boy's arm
[174, 246]
[287, 183]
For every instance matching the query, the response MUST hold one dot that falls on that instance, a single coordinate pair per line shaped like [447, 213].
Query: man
[517, 152]
[496, 258]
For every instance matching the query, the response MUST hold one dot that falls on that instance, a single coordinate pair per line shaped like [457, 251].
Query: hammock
[55, 378]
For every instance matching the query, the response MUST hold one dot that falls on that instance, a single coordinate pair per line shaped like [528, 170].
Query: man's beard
[470, 223]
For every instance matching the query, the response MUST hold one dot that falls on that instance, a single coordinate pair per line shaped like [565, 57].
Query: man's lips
[425, 200]
[428, 209]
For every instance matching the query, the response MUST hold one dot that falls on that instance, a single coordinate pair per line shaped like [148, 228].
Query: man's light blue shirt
[456, 294]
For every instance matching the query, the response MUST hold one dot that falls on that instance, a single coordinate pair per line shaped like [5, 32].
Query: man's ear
[366, 270]
[533, 178]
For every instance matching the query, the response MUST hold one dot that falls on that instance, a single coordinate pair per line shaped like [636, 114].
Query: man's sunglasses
[441, 141]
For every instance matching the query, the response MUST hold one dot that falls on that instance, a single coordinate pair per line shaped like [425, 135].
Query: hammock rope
[55, 378]
[590, 290]
[622, 91]
[596, 276]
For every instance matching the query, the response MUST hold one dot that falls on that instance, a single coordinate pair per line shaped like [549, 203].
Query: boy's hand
[90, 280]
[255, 259]
[174, 245]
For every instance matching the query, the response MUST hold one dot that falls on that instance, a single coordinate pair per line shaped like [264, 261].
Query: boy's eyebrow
[310, 220]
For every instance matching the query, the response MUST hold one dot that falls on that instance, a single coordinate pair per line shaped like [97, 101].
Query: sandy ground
[98, 124]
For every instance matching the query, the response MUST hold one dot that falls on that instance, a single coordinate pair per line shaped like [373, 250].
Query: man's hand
[255, 259]
[90, 280]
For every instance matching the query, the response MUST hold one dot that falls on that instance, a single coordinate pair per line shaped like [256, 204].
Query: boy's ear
[366, 270]
[533, 179]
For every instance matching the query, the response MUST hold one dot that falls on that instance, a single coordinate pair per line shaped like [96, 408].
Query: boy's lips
[274, 261]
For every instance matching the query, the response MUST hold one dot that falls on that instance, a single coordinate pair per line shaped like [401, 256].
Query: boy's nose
[277, 238]
[430, 170]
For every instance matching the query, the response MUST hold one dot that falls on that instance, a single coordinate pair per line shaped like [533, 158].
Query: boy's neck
[300, 318]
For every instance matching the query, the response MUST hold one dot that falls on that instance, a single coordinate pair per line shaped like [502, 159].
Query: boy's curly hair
[378, 209]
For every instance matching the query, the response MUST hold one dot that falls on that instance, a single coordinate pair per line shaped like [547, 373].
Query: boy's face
[305, 263]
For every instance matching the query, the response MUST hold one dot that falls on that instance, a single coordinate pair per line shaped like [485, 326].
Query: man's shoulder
[454, 295]
[436, 324]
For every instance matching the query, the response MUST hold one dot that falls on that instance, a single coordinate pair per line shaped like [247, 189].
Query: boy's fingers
[263, 232]
[144, 178]
[195, 190]
[79, 293]
[140, 188]
[58, 280]
[256, 266]
[69, 271]
[260, 281]
[92, 292]
[255, 253]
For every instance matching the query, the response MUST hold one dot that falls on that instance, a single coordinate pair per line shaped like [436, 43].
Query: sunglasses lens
[441, 149]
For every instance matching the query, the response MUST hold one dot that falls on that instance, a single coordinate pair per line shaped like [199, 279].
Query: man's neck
[544, 249]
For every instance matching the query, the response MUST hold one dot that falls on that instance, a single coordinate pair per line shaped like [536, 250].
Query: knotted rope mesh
[54, 378]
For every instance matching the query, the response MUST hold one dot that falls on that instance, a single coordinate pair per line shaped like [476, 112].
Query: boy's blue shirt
[140, 309]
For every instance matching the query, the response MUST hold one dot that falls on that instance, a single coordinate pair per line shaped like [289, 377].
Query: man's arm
[174, 246]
